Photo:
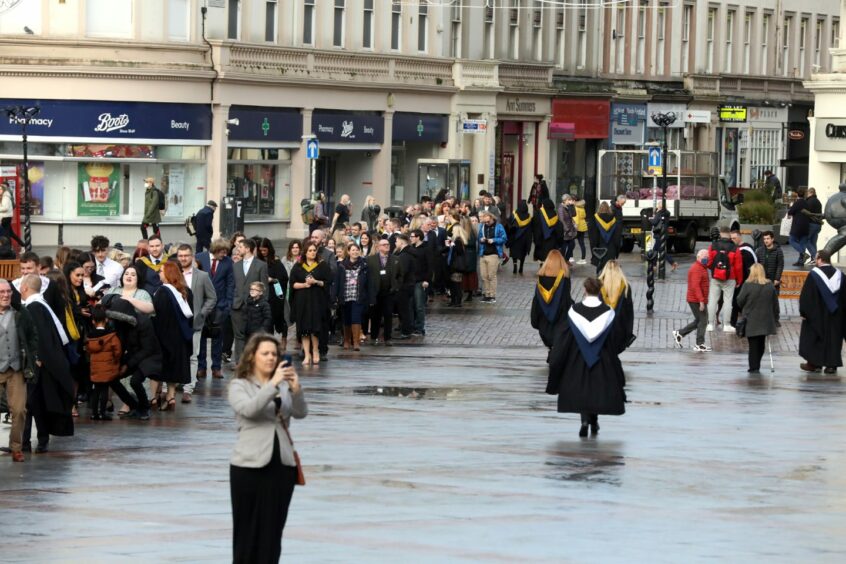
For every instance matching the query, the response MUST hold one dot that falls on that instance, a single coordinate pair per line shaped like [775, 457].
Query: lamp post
[22, 115]
[664, 121]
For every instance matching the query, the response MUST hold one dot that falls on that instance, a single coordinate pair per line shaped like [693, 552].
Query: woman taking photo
[759, 306]
[310, 301]
[174, 328]
[351, 284]
[264, 395]
[584, 368]
[277, 288]
[552, 298]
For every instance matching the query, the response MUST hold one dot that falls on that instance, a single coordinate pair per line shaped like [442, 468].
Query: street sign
[312, 149]
[697, 116]
[474, 126]
[654, 162]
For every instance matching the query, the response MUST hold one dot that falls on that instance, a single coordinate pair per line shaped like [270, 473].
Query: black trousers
[405, 301]
[7, 230]
[155, 229]
[122, 394]
[756, 351]
[382, 316]
[455, 293]
[36, 409]
[699, 323]
[99, 397]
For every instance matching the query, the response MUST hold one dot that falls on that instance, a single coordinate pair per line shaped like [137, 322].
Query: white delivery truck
[697, 198]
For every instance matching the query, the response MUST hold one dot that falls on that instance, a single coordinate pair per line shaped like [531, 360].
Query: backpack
[721, 267]
[307, 211]
[191, 225]
[162, 199]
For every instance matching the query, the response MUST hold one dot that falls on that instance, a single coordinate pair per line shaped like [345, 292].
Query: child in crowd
[104, 351]
[259, 318]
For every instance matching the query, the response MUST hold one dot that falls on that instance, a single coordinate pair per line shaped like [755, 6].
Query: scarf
[613, 300]
[829, 288]
[70, 322]
[590, 336]
[61, 330]
[180, 301]
[547, 224]
[606, 229]
[549, 300]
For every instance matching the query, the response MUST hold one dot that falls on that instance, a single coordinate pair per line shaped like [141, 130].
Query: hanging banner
[99, 193]
[175, 189]
[36, 188]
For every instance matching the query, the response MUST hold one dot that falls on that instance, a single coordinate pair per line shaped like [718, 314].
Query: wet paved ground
[445, 453]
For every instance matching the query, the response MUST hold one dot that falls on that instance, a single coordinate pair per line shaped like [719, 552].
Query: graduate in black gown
[822, 305]
[603, 230]
[310, 283]
[552, 298]
[519, 231]
[174, 327]
[547, 230]
[584, 369]
[617, 294]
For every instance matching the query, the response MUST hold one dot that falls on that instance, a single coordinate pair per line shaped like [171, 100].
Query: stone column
[542, 166]
[217, 161]
[300, 181]
[382, 164]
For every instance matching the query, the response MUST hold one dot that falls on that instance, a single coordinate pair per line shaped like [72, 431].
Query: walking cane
[770, 348]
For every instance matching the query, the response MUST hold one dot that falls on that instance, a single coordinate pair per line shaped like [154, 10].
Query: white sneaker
[572, 261]
[709, 328]
[729, 329]
[702, 348]
[582, 261]
[677, 337]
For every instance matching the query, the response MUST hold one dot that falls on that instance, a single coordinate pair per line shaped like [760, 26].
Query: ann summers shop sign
[348, 128]
[95, 120]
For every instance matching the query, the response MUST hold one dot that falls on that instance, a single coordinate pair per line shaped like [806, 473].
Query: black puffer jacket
[772, 260]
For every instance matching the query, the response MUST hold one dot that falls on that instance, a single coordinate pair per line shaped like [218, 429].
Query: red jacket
[104, 350]
[734, 255]
[697, 284]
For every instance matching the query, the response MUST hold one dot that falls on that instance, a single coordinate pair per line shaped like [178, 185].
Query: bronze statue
[835, 215]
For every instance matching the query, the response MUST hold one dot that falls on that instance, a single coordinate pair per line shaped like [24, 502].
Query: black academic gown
[587, 376]
[823, 315]
[623, 315]
[54, 384]
[310, 306]
[276, 270]
[548, 235]
[520, 237]
[175, 332]
[550, 306]
[603, 230]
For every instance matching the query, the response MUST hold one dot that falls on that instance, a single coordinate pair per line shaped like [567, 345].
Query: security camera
[233, 121]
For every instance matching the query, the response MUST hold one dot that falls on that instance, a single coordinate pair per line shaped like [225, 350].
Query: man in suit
[148, 267]
[383, 284]
[221, 270]
[204, 225]
[247, 271]
[405, 294]
[435, 240]
[205, 298]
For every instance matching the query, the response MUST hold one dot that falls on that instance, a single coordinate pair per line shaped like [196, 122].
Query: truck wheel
[687, 242]
[627, 246]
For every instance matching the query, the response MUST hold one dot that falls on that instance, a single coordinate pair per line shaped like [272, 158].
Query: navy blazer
[203, 223]
[223, 279]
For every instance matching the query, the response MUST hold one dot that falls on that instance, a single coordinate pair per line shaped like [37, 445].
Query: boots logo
[109, 123]
[347, 130]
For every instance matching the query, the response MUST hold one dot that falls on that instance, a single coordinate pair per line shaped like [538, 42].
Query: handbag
[786, 225]
[740, 327]
[456, 277]
[300, 476]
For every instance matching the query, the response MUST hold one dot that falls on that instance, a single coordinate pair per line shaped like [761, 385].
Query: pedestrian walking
[174, 328]
[519, 234]
[552, 298]
[697, 299]
[822, 304]
[567, 218]
[771, 257]
[814, 212]
[800, 228]
[726, 268]
[7, 212]
[581, 229]
[748, 257]
[617, 294]
[546, 229]
[602, 233]
[204, 226]
[154, 204]
[491, 239]
[585, 371]
[757, 303]
[263, 469]
[310, 283]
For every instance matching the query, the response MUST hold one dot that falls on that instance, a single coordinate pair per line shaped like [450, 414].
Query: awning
[565, 131]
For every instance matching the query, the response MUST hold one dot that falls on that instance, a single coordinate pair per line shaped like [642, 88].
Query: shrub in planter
[751, 211]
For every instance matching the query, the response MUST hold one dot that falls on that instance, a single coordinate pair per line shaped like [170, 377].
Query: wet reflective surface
[418, 456]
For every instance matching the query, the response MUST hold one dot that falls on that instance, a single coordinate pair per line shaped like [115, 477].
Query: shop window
[262, 178]
[108, 18]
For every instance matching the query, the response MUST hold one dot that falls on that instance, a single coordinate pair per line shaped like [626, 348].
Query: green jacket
[152, 214]
[28, 341]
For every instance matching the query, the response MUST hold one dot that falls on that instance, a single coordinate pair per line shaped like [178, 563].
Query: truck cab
[697, 198]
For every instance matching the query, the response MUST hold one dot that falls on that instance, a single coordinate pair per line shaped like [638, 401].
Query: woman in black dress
[519, 231]
[456, 257]
[277, 285]
[265, 394]
[584, 368]
[174, 327]
[547, 230]
[310, 300]
[552, 298]
[75, 320]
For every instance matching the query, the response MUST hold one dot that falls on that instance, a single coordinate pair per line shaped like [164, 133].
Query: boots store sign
[348, 128]
[91, 121]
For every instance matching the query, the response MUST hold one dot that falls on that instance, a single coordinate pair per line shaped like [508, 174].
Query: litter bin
[232, 216]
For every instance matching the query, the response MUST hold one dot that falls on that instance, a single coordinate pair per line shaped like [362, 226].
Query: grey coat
[205, 297]
[258, 423]
[759, 306]
[257, 273]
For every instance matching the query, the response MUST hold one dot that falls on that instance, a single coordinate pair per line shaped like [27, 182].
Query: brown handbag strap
[285, 428]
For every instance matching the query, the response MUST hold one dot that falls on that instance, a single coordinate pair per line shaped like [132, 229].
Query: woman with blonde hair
[455, 253]
[370, 213]
[552, 298]
[759, 307]
[617, 293]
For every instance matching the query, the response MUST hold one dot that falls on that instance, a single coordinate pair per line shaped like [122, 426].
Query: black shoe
[7, 450]
[26, 447]
[594, 424]
[389, 343]
[324, 357]
[41, 449]
[583, 430]
[94, 417]
[144, 415]
[799, 263]
[105, 417]
[419, 333]
[752, 371]
[403, 337]
[830, 370]
[778, 323]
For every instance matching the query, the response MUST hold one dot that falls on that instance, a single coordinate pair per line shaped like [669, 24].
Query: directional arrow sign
[654, 161]
[312, 149]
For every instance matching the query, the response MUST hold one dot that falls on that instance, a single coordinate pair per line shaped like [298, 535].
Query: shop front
[421, 138]
[348, 143]
[88, 161]
[750, 140]
[259, 148]
[578, 130]
[522, 125]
